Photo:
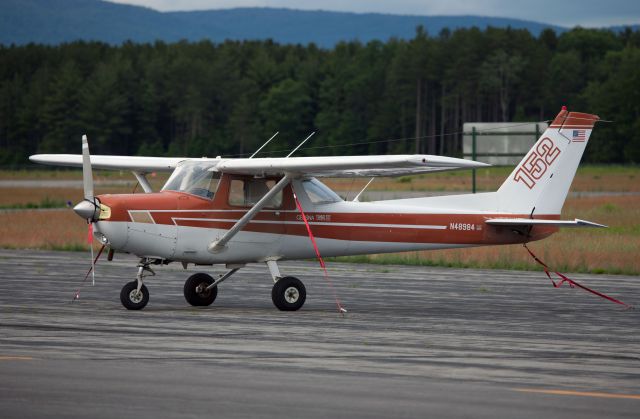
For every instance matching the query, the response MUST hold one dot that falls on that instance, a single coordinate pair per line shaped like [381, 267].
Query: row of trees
[206, 99]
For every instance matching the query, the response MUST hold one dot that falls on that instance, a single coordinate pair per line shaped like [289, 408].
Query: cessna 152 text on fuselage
[239, 211]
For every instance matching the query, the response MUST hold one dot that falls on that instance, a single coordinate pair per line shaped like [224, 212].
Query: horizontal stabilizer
[540, 222]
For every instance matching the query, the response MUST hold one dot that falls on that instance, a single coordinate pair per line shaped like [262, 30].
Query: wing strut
[142, 180]
[217, 245]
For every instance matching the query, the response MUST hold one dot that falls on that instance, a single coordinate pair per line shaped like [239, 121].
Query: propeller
[89, 207]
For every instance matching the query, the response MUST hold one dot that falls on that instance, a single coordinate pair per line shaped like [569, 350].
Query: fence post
[473, 157]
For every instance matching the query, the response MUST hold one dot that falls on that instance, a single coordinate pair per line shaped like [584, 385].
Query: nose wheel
[288, 294]
[132, 298]
[135, 295]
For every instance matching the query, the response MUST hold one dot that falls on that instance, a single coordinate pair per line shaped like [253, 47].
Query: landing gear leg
[288, 293]
[135, 295]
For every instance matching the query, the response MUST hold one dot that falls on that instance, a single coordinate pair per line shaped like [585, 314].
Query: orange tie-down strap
[315, 247]
[571, 282]
[90, 240]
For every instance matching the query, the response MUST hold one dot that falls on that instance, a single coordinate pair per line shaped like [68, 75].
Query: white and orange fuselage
[177, 226]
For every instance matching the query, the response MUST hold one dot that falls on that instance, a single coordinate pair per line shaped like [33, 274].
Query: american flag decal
[579, 135]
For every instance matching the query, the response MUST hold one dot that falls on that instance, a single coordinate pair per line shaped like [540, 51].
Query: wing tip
[35, 158]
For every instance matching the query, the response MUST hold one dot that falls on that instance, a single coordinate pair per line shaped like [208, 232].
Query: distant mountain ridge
[58, 21]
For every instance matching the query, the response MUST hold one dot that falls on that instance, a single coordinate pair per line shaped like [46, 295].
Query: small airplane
[266, 210]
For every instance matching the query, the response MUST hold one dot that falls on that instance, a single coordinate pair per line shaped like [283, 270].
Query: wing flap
[524, 222]
[137, 163]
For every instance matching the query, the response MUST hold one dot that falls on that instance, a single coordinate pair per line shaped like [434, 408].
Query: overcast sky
[565, 13]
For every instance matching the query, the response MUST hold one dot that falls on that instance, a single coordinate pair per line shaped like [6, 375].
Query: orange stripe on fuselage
[403, 228]
[172, 208]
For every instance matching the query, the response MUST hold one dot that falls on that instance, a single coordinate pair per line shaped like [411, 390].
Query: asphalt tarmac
[416, 342]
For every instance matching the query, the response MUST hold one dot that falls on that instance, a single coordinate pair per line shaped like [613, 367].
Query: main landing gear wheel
[195, 291]
[133, 299]
[288, 294]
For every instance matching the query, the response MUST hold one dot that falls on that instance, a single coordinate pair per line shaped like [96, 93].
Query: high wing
[526, 222]
[346, 166]
[339, 166]
[135, 163]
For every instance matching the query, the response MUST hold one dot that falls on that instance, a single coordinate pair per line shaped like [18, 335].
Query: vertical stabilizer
[543, 178]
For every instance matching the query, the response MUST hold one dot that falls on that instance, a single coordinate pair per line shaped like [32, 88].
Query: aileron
[137, 163]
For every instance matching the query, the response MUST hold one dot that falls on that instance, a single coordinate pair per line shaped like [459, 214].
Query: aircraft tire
[288, 294]
[199, 299]
[128, 298]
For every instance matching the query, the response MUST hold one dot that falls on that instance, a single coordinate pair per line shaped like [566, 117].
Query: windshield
[318, 192]
[193, 177]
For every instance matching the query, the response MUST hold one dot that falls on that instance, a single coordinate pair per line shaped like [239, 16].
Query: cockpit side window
[318, 192]
[195, 178]
[247, 192]
[205, 185]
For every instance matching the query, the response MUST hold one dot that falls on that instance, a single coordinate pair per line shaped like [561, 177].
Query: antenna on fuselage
[263, 145]
[300, 145]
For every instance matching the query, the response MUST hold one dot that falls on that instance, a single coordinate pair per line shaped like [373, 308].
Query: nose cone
[86, 209]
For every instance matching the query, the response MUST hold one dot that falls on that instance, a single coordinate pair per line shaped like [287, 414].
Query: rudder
[541, 181]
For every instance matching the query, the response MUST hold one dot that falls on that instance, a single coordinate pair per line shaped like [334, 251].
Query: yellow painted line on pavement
[579, 393]
[15, 358]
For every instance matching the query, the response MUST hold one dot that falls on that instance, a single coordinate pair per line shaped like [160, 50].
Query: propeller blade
[88, 208]
[87, 175]
[90, 234]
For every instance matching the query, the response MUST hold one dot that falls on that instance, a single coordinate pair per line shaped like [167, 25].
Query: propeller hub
[87, 210]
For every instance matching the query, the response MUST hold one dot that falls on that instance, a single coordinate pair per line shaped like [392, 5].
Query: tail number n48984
[462, 226]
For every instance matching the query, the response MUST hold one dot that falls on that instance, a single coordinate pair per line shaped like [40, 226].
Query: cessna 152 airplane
[249, 210]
